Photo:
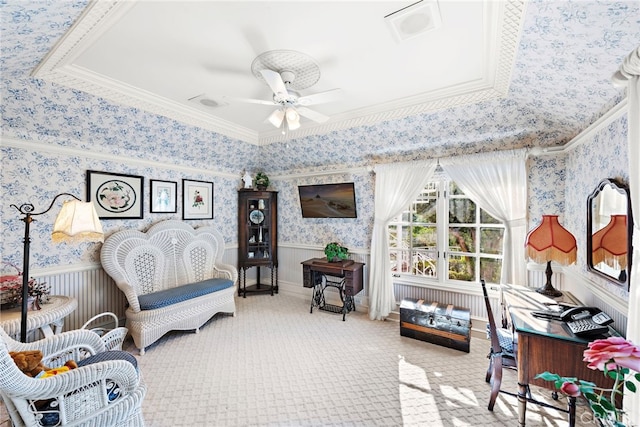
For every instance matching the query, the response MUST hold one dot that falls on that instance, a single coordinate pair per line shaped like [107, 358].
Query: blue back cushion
[178, 294]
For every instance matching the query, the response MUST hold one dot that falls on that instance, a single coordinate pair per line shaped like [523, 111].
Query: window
[443, 217]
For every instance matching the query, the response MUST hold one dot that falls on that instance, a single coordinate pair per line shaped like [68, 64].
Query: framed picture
[115, 195]
[163, 196]
[197, 199]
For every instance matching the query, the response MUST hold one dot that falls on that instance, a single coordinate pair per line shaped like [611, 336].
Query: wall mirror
[609, 230]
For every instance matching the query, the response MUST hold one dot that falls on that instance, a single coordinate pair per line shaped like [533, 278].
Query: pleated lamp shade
[550, 241]
[77, 222]
[609, 244]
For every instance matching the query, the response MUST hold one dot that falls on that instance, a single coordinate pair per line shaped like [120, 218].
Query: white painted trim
[40, 147]
[598, 291]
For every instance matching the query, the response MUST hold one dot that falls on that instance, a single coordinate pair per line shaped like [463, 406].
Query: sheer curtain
[497, 182]
[629, 75]
[397, 185]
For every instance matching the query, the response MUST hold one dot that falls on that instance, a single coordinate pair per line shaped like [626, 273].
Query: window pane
[425, 237]
[462, 239]
[425, 263]
[462, 211]
[454, 190]
[400, 262]
[425, 211]
[406, 216]
[490, 269]
[462, 267]
[485, 218]
[392, 230]
[491, 240]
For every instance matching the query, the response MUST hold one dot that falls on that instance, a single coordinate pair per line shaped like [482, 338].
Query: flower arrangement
[616, 357]
[11, 288]
[335, 252]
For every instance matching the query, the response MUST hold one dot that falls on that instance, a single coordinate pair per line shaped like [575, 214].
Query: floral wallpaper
[562, 41]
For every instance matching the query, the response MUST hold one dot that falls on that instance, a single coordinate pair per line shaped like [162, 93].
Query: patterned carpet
[275, 364]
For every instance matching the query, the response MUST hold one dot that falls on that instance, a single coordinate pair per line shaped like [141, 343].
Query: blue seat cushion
[178, 294]
[109, 355]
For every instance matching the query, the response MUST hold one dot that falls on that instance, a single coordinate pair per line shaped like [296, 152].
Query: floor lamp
[77, 222]
[548, 242]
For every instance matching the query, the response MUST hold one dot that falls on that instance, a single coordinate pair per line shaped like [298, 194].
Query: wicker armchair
[107, 393]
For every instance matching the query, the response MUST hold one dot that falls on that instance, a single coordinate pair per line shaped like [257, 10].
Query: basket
[112, 338]
[10, 284]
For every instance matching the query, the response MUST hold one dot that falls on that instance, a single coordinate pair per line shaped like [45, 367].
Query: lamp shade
[609, 244]
[550, 241]
[77, 222]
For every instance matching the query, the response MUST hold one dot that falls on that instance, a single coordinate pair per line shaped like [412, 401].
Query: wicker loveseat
[173, 278]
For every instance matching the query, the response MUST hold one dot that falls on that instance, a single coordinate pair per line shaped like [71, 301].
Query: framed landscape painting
[115, 195]
[197, 199]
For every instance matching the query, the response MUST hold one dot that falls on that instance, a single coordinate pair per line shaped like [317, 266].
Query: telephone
[586, 321]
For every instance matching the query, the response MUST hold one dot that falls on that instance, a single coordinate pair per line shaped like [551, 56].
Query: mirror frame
[623, 189]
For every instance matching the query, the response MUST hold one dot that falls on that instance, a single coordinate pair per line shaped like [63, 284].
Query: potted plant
[335, 252]
[262, 181]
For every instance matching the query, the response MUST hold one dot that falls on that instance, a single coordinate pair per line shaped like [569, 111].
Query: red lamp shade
[550, 241]
[609, 244]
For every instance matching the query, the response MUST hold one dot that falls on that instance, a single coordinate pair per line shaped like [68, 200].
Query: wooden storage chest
[441, 324]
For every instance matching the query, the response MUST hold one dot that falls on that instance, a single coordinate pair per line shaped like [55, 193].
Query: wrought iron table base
[318, 299]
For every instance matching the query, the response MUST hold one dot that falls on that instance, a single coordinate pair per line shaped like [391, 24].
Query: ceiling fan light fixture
[292, 115]
[276, 117]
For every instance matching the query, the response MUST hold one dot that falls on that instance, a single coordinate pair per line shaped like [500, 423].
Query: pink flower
[570, 389]
[612, 353]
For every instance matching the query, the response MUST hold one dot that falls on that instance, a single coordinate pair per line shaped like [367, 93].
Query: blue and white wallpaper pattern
[156, 147]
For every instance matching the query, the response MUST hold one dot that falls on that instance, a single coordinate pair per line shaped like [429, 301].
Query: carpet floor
[275, 364]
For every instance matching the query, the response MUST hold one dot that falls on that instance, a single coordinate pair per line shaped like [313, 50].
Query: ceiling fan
[296, 71]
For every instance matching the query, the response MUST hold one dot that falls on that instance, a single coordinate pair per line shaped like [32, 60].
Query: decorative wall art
[197, 199]
[115, 195]
[163, 196]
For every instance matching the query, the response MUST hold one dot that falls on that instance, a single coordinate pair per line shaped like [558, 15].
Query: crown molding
[504, 20]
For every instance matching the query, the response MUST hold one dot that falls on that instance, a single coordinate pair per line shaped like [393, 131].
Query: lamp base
[549, 291]
[548, 288]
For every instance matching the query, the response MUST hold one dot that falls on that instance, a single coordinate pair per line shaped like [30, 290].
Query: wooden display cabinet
[257, 238]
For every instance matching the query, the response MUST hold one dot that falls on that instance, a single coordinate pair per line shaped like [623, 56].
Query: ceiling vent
[207, 101]
[414, 20]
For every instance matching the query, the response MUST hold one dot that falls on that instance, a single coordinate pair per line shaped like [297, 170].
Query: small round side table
[49, 319]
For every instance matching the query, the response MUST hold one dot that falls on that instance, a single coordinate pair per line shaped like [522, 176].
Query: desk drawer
[441, 324]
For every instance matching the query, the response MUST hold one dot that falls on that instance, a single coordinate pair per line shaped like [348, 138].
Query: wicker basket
[10, 285]
[112, 338]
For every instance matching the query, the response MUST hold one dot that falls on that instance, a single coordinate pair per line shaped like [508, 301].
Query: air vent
[207, 101]
[414, 20]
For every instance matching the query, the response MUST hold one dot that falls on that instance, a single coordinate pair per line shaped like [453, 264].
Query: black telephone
[586, 321]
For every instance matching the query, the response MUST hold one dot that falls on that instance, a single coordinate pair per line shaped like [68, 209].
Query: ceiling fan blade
[320, 97]
[313, 115]
[250, 100]
[275, 82]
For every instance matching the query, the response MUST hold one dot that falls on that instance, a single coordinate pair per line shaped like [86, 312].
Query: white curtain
[497, 182]
[397, 185]
[629, 75]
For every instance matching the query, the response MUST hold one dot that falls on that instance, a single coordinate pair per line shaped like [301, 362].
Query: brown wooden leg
[496, 380]
[522, 403]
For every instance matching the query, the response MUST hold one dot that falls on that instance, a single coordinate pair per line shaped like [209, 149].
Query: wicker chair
[107, 393]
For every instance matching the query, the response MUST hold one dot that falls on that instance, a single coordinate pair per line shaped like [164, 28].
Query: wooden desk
[317, 273]
[545, 345]
[49, 319]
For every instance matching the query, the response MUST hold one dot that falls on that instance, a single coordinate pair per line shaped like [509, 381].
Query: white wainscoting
[96, 292]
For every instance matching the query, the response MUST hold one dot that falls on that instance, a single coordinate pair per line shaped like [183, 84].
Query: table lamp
[609, 244]
[548, 242]
[77, 222]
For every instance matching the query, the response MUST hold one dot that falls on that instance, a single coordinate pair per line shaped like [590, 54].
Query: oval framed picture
[115, 196]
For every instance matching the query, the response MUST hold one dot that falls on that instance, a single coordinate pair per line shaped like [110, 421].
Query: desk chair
[501, 353]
